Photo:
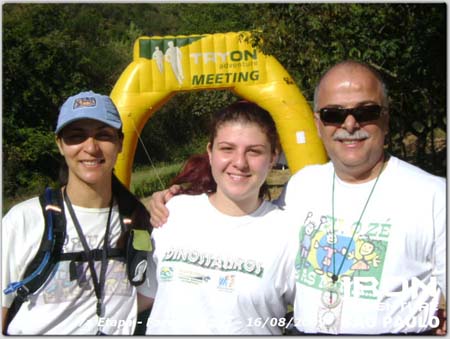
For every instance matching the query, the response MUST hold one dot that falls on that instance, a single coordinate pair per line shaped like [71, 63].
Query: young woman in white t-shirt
[223, 262]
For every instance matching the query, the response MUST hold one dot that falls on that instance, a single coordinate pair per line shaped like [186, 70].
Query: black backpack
[138, 245]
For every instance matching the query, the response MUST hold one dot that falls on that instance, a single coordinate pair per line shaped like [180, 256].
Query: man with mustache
[386, 220]
[379, 222]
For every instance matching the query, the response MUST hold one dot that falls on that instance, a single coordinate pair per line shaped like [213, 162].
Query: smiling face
[241, 157]
[90, 149]
[356, 149]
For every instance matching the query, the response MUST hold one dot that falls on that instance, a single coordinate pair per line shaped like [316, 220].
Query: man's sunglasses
[335, 115]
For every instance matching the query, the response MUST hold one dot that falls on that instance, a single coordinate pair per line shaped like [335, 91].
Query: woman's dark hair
[246, 112]
[196, 177]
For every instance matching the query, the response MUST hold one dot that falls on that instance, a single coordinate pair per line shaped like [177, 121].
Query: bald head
[345, 70]
[356, 147]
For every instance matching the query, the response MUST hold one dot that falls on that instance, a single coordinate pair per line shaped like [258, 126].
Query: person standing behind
[86, 297]
[377, 263]
[225, 259]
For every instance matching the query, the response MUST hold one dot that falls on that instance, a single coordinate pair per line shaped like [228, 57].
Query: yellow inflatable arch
[165, 65]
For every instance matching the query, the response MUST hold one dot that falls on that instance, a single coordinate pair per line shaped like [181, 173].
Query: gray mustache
[345, 135]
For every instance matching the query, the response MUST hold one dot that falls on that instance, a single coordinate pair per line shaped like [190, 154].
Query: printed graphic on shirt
[61, 288]
[71, 281]
[358, 262]
[226, 283]
[166, 273]
[214, 262]
[193, 277]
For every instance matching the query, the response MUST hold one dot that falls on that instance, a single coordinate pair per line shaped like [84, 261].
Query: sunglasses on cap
[335, 115]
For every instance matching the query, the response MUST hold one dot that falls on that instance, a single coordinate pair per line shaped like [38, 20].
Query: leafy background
[53, 50]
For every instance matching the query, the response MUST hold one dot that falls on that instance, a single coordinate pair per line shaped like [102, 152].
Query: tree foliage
[405, 42]
[51, 51]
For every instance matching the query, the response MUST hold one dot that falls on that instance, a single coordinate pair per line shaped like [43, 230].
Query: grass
[144, 173]
[146, 180]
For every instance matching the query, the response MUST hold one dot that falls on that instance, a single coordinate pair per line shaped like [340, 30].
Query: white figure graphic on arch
[158, 56]
[173, 56]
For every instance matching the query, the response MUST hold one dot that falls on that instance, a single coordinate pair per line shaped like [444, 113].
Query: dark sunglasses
[335, 115]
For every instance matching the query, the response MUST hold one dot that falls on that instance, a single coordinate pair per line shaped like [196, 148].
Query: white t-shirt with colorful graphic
[63, 306]
[392, 273]
[219, 274]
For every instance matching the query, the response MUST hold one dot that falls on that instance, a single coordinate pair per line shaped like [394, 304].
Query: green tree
[51, 51]
[405, 42]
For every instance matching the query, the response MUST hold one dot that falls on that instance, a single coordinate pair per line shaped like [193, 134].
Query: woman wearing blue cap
[89, 290]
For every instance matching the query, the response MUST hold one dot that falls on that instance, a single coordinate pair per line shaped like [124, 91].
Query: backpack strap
[48, 253]
[96, 254]
[138, 245]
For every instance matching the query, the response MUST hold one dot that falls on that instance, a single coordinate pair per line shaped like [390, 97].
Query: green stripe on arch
[148, 46]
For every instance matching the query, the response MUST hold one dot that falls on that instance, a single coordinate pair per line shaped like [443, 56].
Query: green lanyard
[335, 276]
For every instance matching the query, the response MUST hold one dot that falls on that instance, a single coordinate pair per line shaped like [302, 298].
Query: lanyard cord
[335, 276]
[98, 284]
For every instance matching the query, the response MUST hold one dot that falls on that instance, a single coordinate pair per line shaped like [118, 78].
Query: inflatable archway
[165, 65]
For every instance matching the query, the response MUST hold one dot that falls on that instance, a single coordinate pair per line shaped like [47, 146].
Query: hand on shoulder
[157, 205]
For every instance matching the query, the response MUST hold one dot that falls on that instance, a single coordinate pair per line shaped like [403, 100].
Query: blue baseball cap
[88, 105]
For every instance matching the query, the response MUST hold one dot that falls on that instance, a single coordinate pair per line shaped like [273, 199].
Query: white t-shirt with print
[218, 274]
[62, 306]
[392, 273]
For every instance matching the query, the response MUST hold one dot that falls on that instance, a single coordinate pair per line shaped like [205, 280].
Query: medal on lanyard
[329, 316]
